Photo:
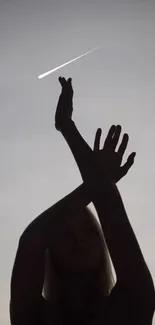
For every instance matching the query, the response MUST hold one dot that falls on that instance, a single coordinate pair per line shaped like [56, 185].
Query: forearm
[40, 229]
[129, 263]
[79, 148]
[116, 226]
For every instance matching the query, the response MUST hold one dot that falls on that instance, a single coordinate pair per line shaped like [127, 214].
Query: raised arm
[29, 266]
[131, 269]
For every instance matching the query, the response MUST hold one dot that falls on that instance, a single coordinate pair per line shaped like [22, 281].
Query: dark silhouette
[62, 272]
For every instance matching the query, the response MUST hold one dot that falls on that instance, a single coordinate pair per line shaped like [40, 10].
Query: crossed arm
[131, 269]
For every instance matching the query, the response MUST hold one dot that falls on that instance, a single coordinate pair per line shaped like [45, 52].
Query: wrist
[66, 127]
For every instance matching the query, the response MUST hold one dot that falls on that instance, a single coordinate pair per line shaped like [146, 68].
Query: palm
[65, 103]
[108, 158]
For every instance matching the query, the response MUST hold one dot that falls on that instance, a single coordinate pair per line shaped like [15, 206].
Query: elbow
[148, 285]
[147, 292]
[151, 294]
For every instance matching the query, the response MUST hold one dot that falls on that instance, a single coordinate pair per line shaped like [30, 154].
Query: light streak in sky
[62, 65]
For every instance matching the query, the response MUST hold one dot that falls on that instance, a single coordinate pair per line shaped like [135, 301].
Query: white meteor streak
[50, 71]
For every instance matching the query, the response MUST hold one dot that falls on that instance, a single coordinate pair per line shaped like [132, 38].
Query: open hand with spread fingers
[108, 158]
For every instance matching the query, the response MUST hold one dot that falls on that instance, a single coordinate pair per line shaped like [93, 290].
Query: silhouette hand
[65, 104]
[108, 158]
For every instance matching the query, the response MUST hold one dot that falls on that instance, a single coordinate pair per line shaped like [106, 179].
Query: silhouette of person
[62, 272]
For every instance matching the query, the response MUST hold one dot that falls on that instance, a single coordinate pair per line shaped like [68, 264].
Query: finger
[63, 81]
[97, 140]
[116, 136]
[109, 136]
[70, 81]
[123, 144]
[128, 164]
[70, 85]
[60, 80]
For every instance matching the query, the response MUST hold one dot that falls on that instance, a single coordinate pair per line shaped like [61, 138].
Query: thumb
[128, 164]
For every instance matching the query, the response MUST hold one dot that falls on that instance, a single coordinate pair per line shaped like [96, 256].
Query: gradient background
[112, 85]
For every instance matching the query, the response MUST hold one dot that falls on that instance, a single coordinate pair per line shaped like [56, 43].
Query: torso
[115, 309]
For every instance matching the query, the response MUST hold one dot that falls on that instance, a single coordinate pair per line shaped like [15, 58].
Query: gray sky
[112, 85]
